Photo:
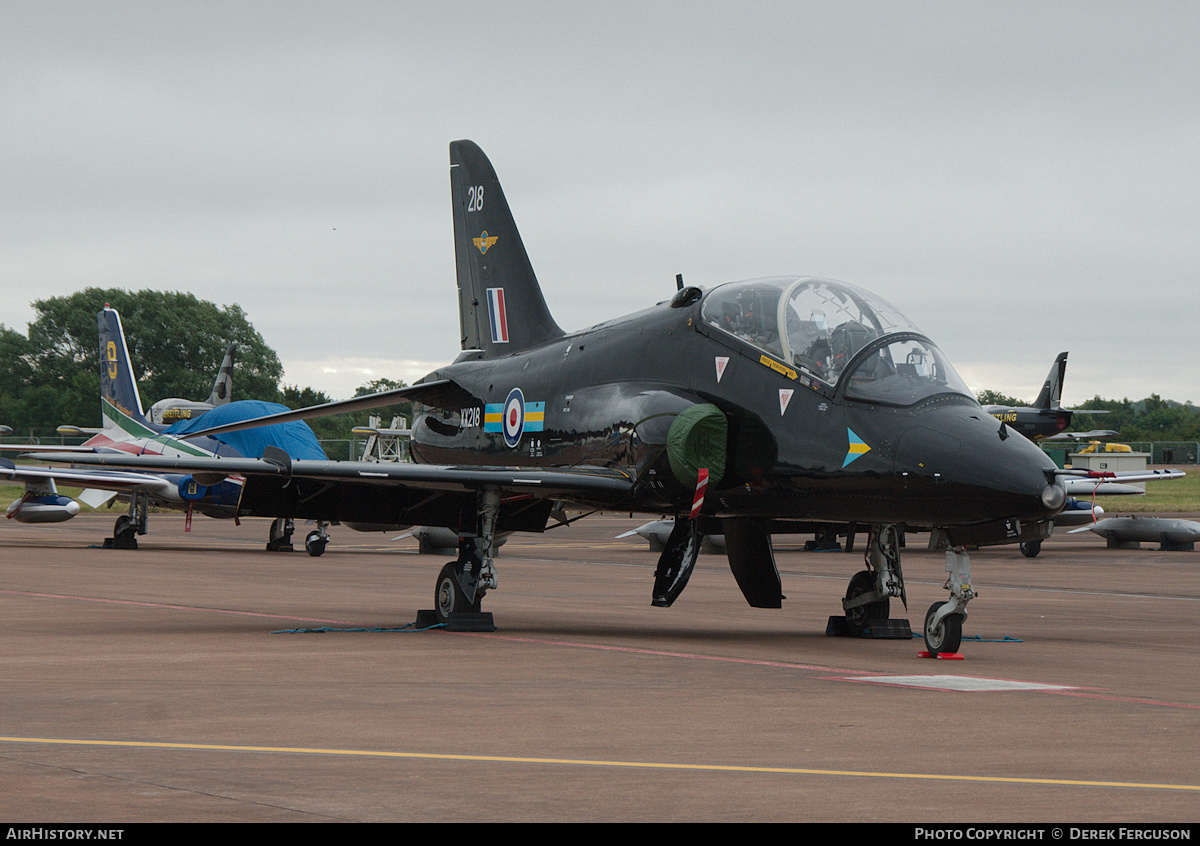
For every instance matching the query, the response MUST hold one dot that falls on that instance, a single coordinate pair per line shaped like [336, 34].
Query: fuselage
[799, 447]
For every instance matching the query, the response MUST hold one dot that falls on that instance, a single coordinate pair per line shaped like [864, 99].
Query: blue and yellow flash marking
[858, 447]
[493, 417]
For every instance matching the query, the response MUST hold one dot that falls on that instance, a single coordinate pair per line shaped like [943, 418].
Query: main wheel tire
[125, 533]
[279, 538]
[947, 636]
[860, 618]
[448, 596]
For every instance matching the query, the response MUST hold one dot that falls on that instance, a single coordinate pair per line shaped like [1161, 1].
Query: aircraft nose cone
[970, 469]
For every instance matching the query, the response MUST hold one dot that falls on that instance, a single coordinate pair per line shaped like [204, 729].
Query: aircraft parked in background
[1046, 419]
[129, 430]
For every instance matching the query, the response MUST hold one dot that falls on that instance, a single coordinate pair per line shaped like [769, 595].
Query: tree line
[51, 374]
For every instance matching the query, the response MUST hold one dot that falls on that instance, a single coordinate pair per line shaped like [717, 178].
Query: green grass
[1169, 495]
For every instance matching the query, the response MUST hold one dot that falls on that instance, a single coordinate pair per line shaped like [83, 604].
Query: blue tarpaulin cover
[295, 438]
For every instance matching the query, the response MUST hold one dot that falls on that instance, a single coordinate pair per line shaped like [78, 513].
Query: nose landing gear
[943, 620]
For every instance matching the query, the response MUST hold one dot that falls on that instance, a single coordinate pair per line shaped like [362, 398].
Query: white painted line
[967, 684]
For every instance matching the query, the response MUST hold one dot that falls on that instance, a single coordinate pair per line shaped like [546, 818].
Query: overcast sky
[1018, 178]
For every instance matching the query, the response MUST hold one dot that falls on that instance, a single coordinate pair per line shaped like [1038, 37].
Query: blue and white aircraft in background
[128, 428]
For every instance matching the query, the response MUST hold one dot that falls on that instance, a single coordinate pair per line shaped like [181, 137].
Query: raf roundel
[514, 417]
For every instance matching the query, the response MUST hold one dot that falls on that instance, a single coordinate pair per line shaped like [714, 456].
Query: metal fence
[1161, 452]
[1175, 452]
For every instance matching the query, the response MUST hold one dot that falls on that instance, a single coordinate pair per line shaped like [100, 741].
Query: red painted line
[1134, 700]
[661, 653]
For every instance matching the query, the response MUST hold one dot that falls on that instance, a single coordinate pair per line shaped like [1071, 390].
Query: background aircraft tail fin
[118, 390]
[223, 387]
[1051, 395]
[501, 308]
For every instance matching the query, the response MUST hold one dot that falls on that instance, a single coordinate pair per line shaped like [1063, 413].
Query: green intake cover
[697, 439]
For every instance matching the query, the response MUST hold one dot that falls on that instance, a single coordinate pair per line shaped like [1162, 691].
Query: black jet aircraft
[1046, 419]
[771, 403]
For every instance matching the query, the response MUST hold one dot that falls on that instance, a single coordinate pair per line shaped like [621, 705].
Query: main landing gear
[462, 583]
[279, 538]
[868, 597]
[129, 526]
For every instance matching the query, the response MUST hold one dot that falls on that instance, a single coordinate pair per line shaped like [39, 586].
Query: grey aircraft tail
[501, 308]
[223, 386]
[1051, 395]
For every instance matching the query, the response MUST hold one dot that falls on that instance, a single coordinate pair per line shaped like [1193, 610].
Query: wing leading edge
[104, 480]
[385, 496]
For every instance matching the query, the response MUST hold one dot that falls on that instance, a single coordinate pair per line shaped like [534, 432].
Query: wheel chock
[944, 656]
[458, 621]
[470, 621]
[426, 619]
[891, 629]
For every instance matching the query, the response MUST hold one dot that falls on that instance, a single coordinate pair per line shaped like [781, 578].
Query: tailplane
[1051, 395]
[118, 390]
[501, 308]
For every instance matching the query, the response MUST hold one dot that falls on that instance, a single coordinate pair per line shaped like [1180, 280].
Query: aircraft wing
[1082, 436]
[68, 431]
[1098, 483]
[99, 480]
[588, 483]
[441, 393]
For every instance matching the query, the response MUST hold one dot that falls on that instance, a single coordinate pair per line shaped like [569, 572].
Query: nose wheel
[944, 635]
[315, 543]
[944, 620]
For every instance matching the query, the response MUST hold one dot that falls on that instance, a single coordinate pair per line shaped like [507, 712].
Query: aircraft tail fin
[501, 308]
[223, 387]
[1051, 395]
[118, 390]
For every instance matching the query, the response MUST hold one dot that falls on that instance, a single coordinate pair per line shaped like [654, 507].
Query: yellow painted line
[587, 762]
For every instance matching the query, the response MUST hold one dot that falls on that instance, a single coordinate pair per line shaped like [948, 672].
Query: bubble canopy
[820, 327]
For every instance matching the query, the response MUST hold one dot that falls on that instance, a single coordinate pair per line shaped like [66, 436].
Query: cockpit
[820, 327]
